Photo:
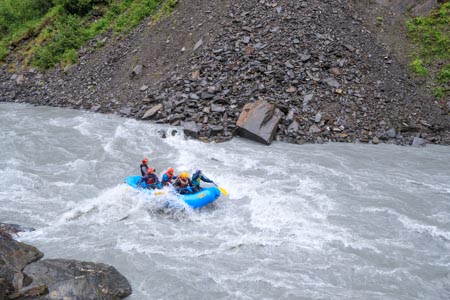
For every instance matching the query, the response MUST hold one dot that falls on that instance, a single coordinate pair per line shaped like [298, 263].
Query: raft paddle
[222, 190]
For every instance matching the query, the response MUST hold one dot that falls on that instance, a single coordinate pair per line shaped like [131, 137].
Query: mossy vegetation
[46, 33]
[431, 34]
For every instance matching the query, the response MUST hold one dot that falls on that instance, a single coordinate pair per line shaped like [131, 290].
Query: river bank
[319, 62]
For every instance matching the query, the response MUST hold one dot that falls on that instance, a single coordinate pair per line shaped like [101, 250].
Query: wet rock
[150, 113]
[258, 121]
[190, 129]
[419, 142]
[72, 279]
[391, 133]
[375, 140]
[216, 128]
[15, 228]
[96, 108]
[126, 111]
[14, 256]
[162, 134]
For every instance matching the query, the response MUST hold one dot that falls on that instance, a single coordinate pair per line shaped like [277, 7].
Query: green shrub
[439, 92]
[68, 39]
[431, 34]
[418, 68]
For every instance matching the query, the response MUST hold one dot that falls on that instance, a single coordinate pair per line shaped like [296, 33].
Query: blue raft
[196, 200]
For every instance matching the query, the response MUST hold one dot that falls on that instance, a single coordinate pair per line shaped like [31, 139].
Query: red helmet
[170, 171]
[150, 170]
[145, 160]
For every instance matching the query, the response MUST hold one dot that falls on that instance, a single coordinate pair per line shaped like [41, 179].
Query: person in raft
[151, 180]
[168, 177]
[144, 167]
[197, 177]
[183, 183]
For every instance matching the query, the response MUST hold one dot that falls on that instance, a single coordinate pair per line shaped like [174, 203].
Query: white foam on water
[109, 206]
[417, 226]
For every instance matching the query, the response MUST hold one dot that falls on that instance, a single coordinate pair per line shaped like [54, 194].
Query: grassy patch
[418, 68]
[52, 36]
[431, 34]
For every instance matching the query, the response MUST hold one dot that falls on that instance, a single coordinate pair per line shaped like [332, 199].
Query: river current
[332, 221]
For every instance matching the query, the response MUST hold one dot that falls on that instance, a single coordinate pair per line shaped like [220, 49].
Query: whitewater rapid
[333, 221]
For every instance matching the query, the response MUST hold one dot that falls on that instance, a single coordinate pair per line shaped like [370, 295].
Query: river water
[333, 221]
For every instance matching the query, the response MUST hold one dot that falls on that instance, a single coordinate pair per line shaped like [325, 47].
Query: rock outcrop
[24, 276]
[14, 257]
[72, 279]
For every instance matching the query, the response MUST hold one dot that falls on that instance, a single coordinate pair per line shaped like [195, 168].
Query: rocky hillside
[317, 60]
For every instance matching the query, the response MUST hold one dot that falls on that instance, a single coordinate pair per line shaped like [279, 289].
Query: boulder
[14, 256]
[152, 111]
[258, 121]
[3, 288]
[72, 279]
[419, 142]
[190, 129]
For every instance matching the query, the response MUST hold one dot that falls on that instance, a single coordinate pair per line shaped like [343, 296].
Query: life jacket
[169, 176]
[184, 182]
[151, 179]
[196, 179]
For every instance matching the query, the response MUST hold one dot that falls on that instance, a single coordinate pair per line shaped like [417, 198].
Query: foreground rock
[23, 276]
[14, 257]
[72, 279]
[259, 121]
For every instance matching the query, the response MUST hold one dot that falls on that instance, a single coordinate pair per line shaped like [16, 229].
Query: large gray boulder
[72, 279]
[14, 256]
[258, 121]
[191, 129]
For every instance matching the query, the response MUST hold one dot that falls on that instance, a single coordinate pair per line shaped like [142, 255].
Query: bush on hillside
[63, 47]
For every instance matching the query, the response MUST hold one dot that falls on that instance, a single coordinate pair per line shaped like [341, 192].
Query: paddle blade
[159, 193]
[223, 191]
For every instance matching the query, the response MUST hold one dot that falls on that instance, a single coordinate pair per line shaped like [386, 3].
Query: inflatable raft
[195, 200]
